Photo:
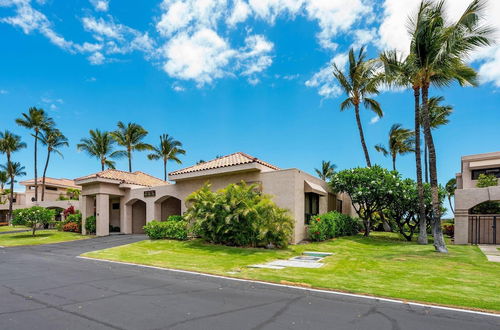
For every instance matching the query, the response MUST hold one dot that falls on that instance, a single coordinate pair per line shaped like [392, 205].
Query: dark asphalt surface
[46, 287]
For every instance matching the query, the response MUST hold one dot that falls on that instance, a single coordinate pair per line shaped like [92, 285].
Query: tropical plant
[486, 180]
[10, 143]
[100, 145]
[4, 178]
[33, 217]
[168, 149]
[332, 224]
[401, 142]
[441, 51]
[359, 83]
[326, 171]
[438, 117]
[450, 188]
[53, 139]
[37, 120]
[130, 136]
[238, 215]
[73, 193]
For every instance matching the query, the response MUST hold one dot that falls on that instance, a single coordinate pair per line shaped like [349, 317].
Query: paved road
[46, 287]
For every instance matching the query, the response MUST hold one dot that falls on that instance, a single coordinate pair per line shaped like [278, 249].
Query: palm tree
[13, 169]
[130, 136]
[359, 83]
[10, 143]
[53, 139]
[100, 145]
[438, 116]
[401, 142]
[37, 120]
[450, 188]
[326, 171]
[168, 149]
[4, 178]
[441, 51]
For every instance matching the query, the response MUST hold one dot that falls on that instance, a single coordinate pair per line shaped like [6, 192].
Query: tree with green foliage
[326, 171]
[359, 83]
[33, 217]
[100, 145]
[4, 178]
[53, 139]
[401, 142]
[450, 188]
[168, 149]
[130, 136]
[37, 120]
[486, 180]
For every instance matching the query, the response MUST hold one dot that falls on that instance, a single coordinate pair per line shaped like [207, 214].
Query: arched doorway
[138, 217]
[484, 219]
[167, 206]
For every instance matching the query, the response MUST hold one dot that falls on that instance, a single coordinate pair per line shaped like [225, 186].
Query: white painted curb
[396, 301]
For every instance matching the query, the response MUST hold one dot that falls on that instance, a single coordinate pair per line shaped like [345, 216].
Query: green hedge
[167, 229]
[330, 225]
[90, 225]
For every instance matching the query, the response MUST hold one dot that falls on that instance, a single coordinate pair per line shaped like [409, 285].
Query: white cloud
[374, 120]
[96, 58]
[178, 88]
[269, 10]
[254, 57]
[100, 5]
[103, 28]
[240, 12]
[324, 79]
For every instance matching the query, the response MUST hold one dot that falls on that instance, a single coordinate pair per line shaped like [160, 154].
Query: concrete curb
[339, 293]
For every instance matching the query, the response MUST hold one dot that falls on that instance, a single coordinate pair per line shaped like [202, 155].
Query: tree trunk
[45, 173]
[102, 164]
[33, 232]
[129, 154]
[165, 170]
[439, 243]
[422, 236]
[36, 172]
[426, 163]
[362, 136]
[394, 162]
[11, 199]
[451, 205]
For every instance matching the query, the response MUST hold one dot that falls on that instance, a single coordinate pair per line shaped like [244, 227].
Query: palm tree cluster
[437, 57]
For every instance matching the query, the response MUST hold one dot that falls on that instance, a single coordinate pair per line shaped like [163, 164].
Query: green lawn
[381, 265]
[12, 228]
[42, 237]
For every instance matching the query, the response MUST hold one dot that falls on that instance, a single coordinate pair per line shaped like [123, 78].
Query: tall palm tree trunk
[102, 164]
[44, 174]
[11, 199]
[439, 243]
[129, 154]
[394, 162]
[426, 163]
[165, 169]
[451, 205]
[36, 172]
[362, 136]
[422, 236]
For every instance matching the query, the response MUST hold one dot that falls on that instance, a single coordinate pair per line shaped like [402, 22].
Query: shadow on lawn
[37, 235]
[199, 244]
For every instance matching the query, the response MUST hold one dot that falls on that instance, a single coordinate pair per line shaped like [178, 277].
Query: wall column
[461, 227]
[102, 215]
[87, 209]
[125, 217]
[150, 211]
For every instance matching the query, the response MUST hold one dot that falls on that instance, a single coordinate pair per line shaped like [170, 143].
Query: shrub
[175, 218]
[449, 229]
[90, 225]
[238, 215]
[71, 227]
[33, 217]
[167, 229]
[68, 211]
[330, 225]
[486, 180]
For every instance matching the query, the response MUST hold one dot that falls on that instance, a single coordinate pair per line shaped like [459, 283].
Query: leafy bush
[90, 225]
[238, 215]
[175, 218]
[486, 180]
[33, 217]
[167, 229]
[448, 229]
[330, 225]
[69, 210]
[71, 227]
[488, 207]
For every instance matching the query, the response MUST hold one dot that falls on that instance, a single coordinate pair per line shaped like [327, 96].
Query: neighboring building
[55, 191]
[127, 201]
[476, 228]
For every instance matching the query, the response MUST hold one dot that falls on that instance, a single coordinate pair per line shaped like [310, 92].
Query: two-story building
[471, 227]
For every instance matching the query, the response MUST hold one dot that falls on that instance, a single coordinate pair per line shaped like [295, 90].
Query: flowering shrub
[71, 227]
[33, 217]
[449, 229]
[167, 229]
[68, 211]
[330, 225]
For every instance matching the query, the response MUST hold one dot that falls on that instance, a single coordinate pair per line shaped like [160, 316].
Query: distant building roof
[238, 158]
[68, 183]
[136, 178]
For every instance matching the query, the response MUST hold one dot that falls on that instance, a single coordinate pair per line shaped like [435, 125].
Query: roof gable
[136, 178]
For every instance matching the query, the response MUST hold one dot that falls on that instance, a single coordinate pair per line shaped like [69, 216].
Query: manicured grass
[12, 228]
[42, 237]
[381, 265]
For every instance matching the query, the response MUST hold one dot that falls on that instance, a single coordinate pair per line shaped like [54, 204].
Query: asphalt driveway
[47, 287]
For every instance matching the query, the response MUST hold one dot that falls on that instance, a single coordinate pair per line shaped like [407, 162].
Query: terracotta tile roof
[238, 158]
[137, 177]
[52, 181]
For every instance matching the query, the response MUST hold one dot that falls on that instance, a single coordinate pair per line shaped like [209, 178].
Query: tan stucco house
[127, 201]
[476, 228]
[54, 189]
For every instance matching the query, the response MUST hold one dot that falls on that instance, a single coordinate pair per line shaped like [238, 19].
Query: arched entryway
[138, 217]
[167, 206]
[484, 220]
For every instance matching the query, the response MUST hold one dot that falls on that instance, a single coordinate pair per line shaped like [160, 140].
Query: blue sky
[224, 76]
